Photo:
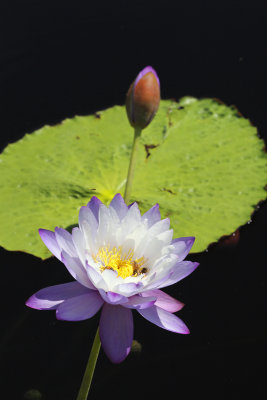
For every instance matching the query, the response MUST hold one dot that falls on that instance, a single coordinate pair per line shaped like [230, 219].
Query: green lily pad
[199, 159]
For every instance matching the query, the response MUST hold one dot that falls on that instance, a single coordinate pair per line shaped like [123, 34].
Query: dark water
[59, 59]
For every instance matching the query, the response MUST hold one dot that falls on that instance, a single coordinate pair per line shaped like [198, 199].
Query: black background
[59, 59]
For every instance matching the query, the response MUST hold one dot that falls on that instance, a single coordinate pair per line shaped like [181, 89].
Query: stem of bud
[128, 188]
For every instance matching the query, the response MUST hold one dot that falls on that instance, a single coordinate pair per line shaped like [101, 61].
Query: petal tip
[145, 71]
[94, 200]
[121, 359]
[76, 228]
[118, 196]
[30, 302]
[186, 331]
[58, 317]
[44, 233]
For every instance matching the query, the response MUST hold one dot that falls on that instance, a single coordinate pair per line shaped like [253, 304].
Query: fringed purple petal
[164, 319]
[80, 307]
[50, 297]
[116, 332]
[163, 300]
[49, 239]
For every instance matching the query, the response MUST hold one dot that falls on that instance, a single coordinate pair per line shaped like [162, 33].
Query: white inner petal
[131, 234]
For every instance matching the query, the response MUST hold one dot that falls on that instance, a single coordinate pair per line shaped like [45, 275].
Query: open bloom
[119, 260]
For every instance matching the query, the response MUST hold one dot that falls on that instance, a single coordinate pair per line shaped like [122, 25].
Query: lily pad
[199, 159]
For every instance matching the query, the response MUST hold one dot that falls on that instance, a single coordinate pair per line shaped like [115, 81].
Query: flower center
[122, 262]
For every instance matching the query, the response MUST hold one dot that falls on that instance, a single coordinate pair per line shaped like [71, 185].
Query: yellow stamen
[120, 261]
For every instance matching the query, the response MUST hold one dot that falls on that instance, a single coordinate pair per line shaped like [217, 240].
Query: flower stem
[128, 188]
[90, 368]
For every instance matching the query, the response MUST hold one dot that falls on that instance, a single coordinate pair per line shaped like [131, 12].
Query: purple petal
[86, 216]
[145, 71]
[116, 332]
[50, 297]
[179, 272]
[138, 302]
[156, 282]
[49, 239]
[165, 237]
[112, 298]
[64, 240]
[119, 206]
[95, 276]
[164, 301]
[129, 289]
[94, 205]
[132, 218]
[164, 319]
[182, 246]
[79, 243]
[80, 307]
[152, 215]
[76, 269]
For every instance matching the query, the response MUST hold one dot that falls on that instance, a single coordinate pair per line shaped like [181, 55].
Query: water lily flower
[143, 97]
[120, 260]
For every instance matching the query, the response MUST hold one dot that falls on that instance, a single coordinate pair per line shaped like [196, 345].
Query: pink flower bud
[143, 97]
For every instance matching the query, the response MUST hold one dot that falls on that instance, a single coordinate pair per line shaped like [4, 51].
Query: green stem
[90, 368]
[128, 188]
